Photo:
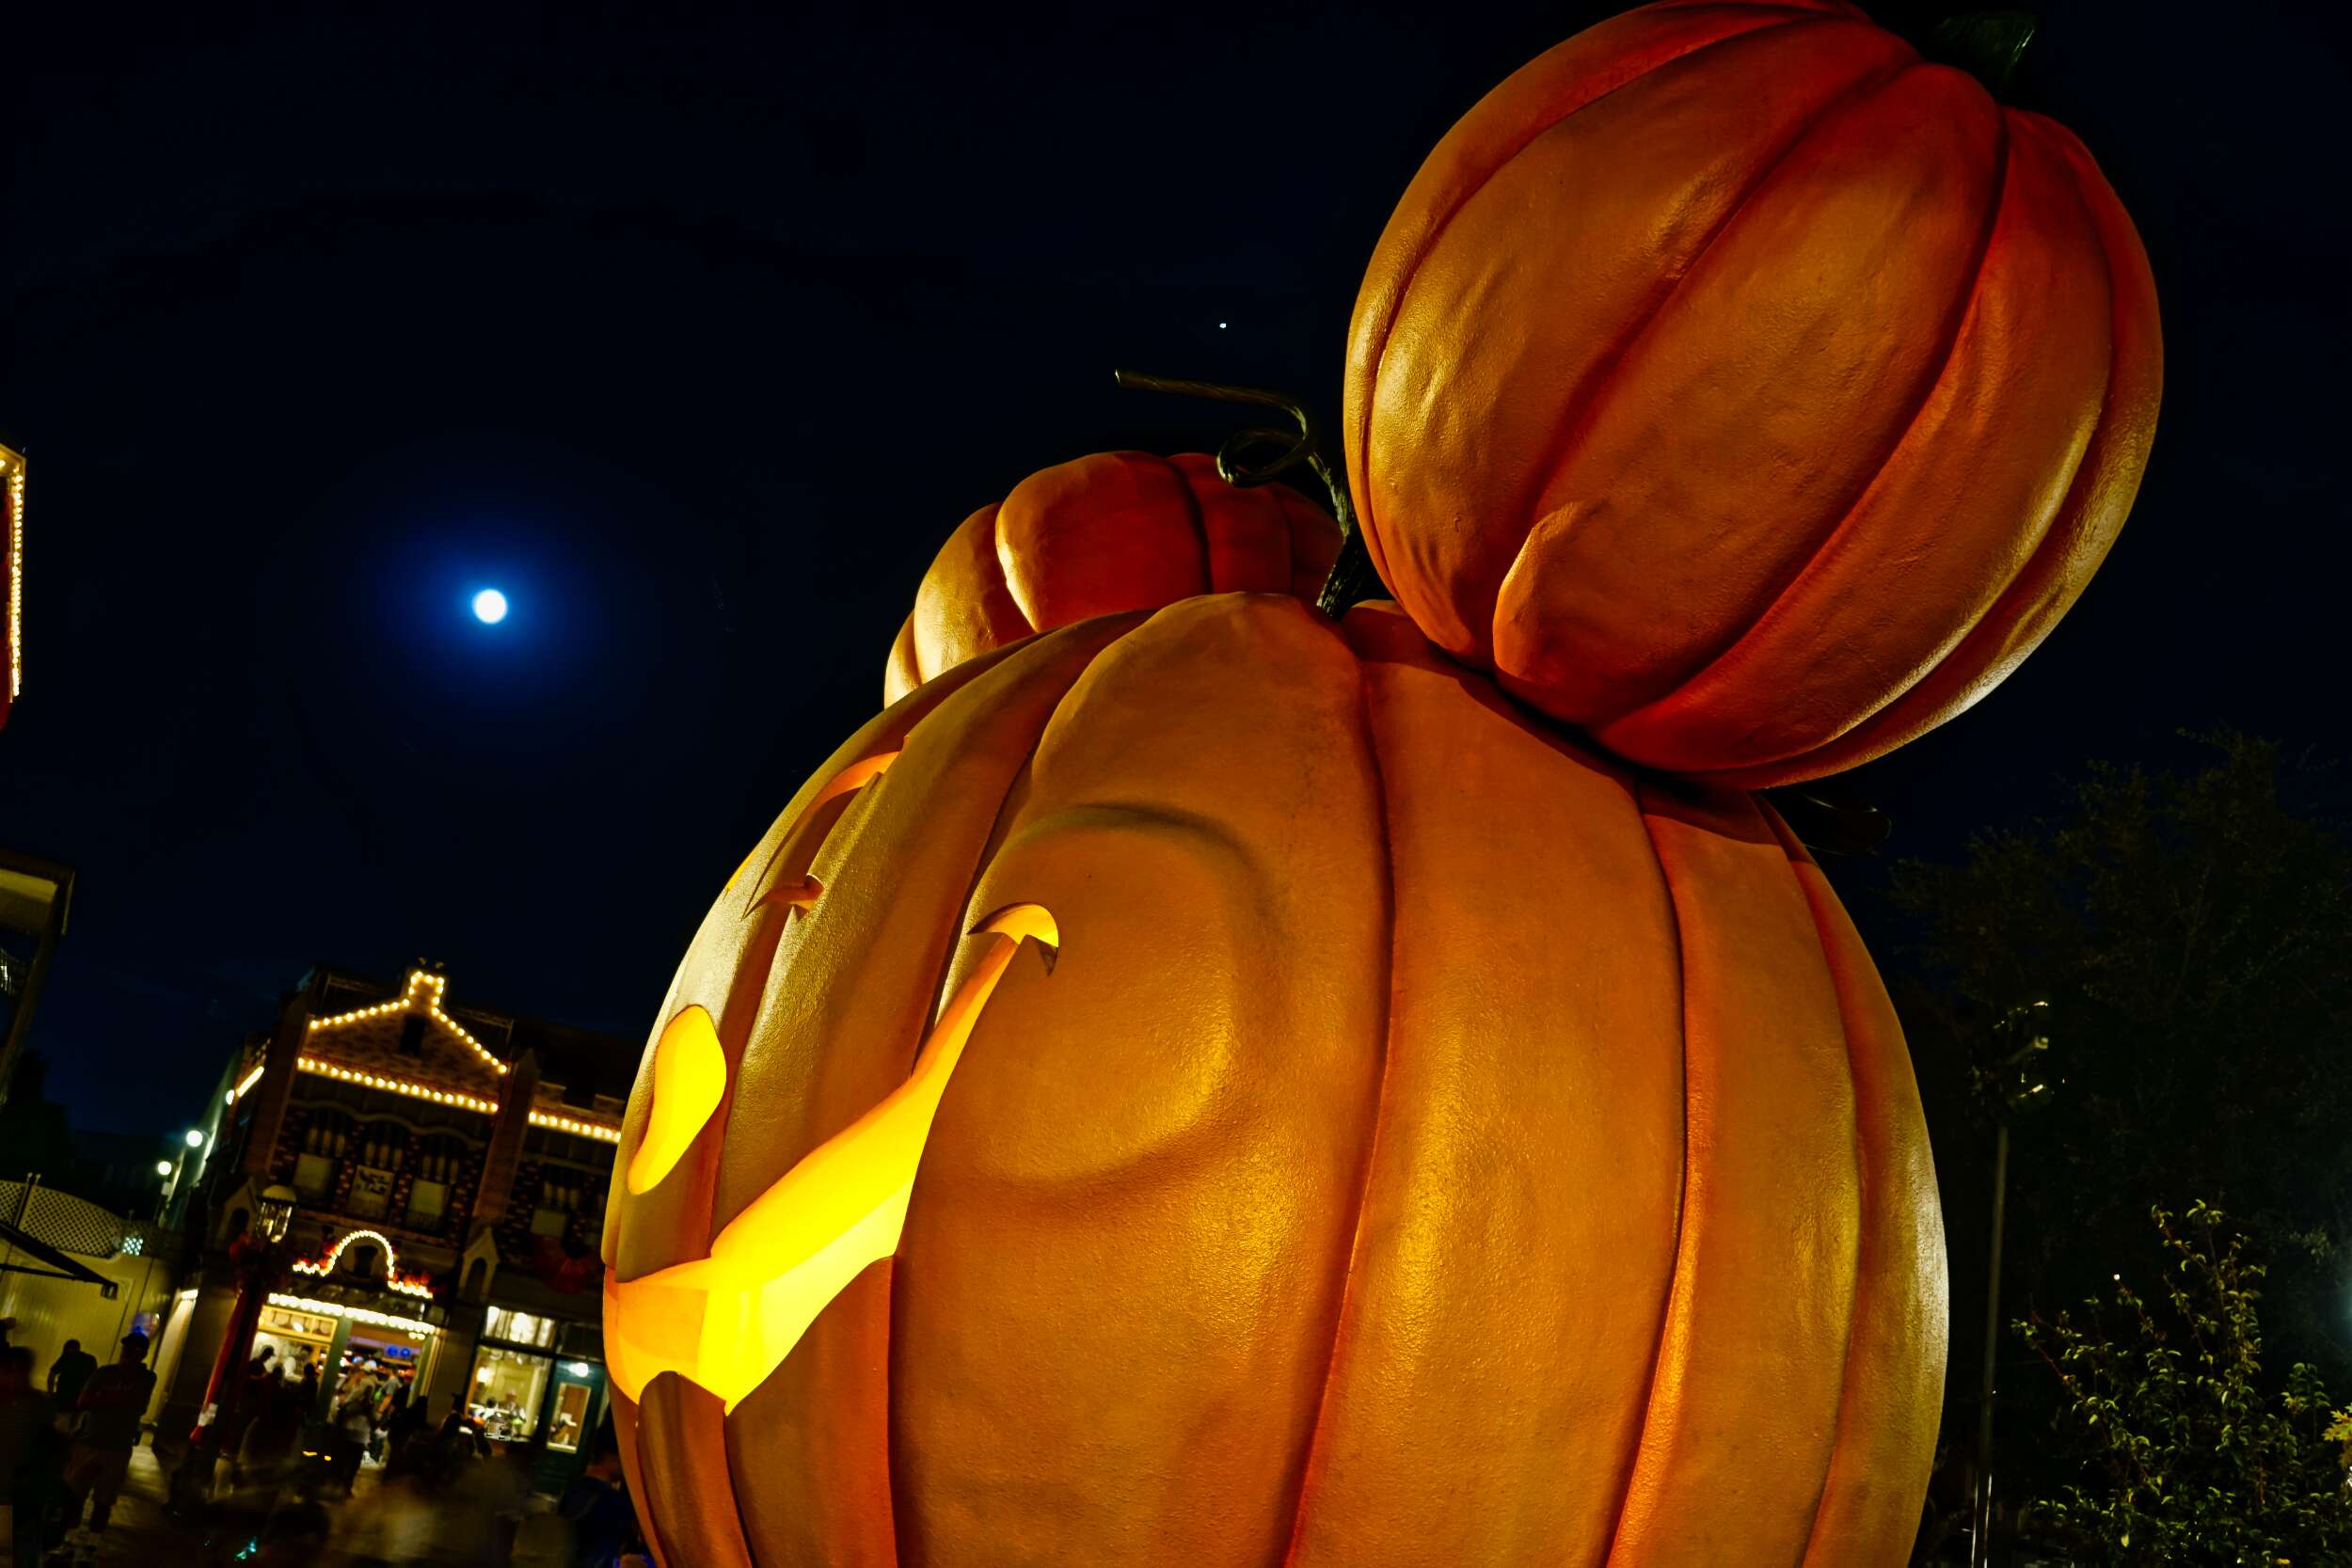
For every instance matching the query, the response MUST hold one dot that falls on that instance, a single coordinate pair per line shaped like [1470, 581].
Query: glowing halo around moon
[489, 606]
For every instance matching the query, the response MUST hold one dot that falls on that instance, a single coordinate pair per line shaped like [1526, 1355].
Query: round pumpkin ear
[690, 1078]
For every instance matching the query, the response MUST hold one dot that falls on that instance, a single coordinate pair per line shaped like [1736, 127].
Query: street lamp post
[175, 1171]
[259, 1258]
[2018, 1080]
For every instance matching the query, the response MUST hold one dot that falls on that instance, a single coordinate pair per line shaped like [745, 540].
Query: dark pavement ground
[141, 1533]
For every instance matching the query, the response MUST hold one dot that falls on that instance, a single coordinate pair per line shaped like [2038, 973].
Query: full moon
[489, 606]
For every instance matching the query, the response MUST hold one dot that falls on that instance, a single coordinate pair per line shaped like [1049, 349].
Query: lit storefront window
[570, 1417]
[506, 1389]
[519, 1328]
[300, 1339]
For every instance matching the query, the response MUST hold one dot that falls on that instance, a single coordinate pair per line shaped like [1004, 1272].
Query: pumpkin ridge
[1380, 1101]
[2065, 533]
[1583, 405]
[1878, 1062]
[1863, 1161]
[1359, 451]
[1808, 561]
[1004, 578]
[1199, 519]
[964, 920]
[1632, 1461]
[997, 680]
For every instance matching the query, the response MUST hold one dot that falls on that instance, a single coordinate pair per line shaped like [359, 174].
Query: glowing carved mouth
[727, 1321]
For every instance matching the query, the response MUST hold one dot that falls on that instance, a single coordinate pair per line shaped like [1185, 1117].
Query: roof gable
[371, 1039]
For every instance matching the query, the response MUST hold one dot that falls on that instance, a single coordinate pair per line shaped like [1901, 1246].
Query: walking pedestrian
[406, 1439]
[67, 1372]
[113, 1405]
[355, 1428]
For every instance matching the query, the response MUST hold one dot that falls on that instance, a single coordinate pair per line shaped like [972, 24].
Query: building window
[563, 1195]
[371, 1192]
[314, 1175]
[520, 1328]
[426, 1201]
[571, 1417]
[328, 1132]
[382, 1144]
[505, 1392]
[360, 1261]
[441, 1157]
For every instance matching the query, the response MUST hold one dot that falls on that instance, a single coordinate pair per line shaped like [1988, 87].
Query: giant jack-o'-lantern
[1228, 1088]
[1746, 390]
[1112, 531]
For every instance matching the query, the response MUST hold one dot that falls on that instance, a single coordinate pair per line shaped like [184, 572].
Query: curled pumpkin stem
[1261, 454]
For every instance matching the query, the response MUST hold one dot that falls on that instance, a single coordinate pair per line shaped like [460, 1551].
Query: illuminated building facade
[451, 1166]
[12, 576]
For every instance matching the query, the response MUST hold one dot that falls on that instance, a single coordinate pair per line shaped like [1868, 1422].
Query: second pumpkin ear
[1098, 535]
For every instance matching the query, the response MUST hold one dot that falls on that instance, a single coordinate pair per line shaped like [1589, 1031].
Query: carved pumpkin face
[1430, 1143]
[1746, 391]
[1114, 532]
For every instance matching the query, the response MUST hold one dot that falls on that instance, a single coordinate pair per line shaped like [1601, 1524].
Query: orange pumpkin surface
[1747, 391]
[1425, 1142]
[1099, 534]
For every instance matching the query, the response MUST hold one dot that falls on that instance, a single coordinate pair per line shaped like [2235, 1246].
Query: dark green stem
[1985, 44]
[1352, 578]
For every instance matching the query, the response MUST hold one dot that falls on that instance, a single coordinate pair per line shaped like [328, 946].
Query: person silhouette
[113, 1404]
[69, 1373]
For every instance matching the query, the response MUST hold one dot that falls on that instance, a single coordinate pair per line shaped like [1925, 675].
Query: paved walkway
[138, 1532]
[141, 1533]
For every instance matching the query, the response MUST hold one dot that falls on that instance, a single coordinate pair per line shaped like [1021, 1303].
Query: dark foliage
[2192, 935]
[2171, 1445]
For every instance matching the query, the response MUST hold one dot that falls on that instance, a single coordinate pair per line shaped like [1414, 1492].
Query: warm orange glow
[407, 1285]
[726, 1321]
[690, 1077]
[395, 1085]
[247, 1083]
[859, 773]
[601, 1132]
[12, 503]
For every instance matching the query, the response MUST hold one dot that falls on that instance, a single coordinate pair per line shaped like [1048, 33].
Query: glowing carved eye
[689, 1067]
[727, 1321]
[690, 1077]
[856, 776]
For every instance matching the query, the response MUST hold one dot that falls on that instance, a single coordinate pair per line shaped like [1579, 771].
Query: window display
[570, 1417]
[506, 1391]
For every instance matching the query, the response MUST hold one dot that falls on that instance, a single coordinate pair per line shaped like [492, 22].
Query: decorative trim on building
[421, 994]
[12, 500]
[247, 1081]
[357, 1314]
[407, 1287]
[584, 1129]
[395, 1086]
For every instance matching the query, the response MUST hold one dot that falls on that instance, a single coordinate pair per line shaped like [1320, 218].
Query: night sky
[696, 336]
